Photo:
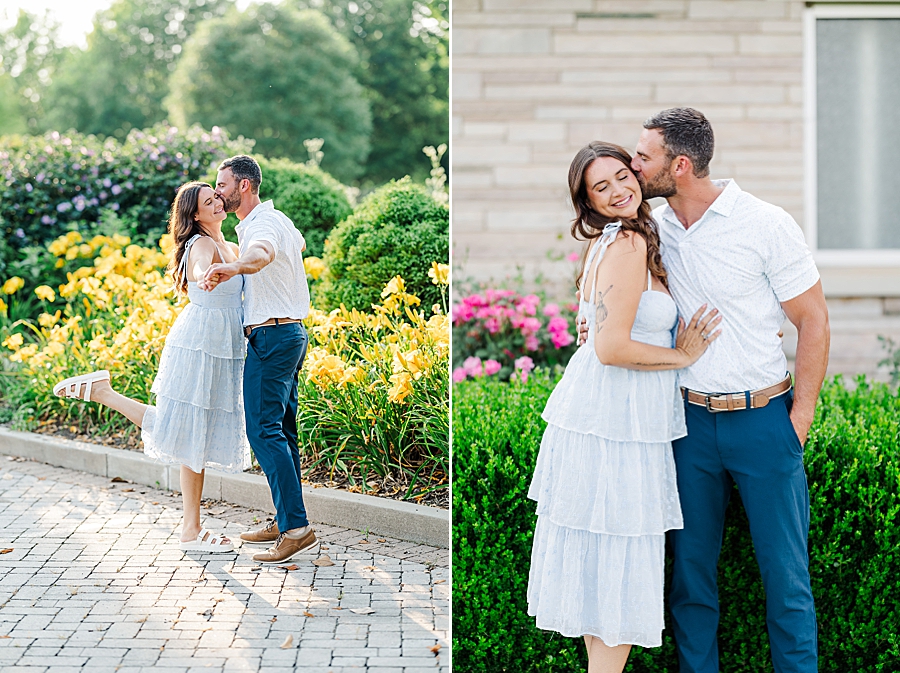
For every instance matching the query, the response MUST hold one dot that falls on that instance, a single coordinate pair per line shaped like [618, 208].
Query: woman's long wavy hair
[182, 226]
[588, 223]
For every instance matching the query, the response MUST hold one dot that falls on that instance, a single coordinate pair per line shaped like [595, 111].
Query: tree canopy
[120, 81]
[280, 76]
[404, 66]
[371, 79]
[29, 55]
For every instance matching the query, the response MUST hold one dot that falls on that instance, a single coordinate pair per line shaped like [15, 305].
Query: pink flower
[484, 312]
[459, 374]
[573, 257]
[524, 363]
[472, 366]
[462, 313]
[561, 339]
[491, 367]
[492, 325]
[529, 303]
[558, 324]
[532, 343]
[531, 325]
[551, 310]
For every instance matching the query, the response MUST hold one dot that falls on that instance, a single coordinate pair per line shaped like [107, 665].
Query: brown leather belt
[271, 322]
[756, 399]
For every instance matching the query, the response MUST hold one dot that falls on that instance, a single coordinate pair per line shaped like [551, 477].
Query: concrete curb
[381, 516]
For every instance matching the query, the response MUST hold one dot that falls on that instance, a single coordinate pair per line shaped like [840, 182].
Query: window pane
[858, 127]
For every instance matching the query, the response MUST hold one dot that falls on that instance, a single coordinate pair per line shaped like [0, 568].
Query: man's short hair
[686, 132]
[244, 168]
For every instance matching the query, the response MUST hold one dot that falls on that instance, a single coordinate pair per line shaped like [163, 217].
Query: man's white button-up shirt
[743, 257]
[280, 289]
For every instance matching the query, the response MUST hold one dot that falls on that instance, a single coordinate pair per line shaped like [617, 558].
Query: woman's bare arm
[200, 257]
[617, 288]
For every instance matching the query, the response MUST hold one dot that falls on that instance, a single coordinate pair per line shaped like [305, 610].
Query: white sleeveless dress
[605, 486]
[198, 420]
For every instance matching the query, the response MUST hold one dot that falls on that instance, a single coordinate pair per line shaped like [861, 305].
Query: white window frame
[829, 10]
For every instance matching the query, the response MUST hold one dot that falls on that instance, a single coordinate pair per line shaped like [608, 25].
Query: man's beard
[663, 184]
[231, 202]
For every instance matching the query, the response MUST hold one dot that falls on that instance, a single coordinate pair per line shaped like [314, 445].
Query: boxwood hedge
[854, 480]
[399, 229]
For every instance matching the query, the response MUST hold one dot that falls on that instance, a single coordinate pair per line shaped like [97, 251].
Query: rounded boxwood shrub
[399, 229]
[313, 199]
[854, 481]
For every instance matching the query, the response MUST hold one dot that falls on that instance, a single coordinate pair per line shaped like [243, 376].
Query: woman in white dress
[605, 477]
[198, 419]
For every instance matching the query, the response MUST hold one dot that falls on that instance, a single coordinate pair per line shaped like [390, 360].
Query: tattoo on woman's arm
[602, 310]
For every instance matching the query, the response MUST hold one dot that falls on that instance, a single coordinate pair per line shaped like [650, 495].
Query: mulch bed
[130, 440]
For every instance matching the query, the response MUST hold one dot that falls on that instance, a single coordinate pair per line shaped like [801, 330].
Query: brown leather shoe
[287, 547]
[265, 535]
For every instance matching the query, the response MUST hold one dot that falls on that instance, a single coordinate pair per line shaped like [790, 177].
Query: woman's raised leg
[605, 659]
[103, 393]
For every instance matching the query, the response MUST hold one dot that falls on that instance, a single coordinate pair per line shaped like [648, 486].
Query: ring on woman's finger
[704, 335]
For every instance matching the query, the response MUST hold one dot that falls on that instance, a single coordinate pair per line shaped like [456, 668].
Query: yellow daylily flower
[47, 320]
[401, 388]
[394, 286]
[314, 267]
[439, 273]
[13, 285]
[45, 292]
[14, 341]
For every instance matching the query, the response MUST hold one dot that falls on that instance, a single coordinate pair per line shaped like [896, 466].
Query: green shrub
[399, 229]
[854, 480]
[313, 199]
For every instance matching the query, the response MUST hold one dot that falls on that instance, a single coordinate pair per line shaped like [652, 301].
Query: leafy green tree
[279, 76]
[11, 118]
[404, 65]
[30, 54]
[120, 81]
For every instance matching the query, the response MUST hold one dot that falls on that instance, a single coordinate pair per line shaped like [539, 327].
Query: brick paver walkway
[95, 582]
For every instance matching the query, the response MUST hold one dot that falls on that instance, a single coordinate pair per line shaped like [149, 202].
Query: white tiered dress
[605, 487]
[198, 420]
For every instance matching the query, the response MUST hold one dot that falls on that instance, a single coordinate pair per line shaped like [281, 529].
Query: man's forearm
[254, 259]
[814, 336]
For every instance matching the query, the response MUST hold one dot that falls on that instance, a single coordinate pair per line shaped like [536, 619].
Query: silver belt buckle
[706, 399]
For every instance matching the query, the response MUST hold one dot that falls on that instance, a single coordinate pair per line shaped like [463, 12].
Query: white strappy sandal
[70, 387]
[207, 541]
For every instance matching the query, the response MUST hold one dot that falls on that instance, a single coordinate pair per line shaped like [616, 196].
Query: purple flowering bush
[504, 333]
[57, 182]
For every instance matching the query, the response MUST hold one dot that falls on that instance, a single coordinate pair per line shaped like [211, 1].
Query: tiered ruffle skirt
[606, 492]
[198, 420]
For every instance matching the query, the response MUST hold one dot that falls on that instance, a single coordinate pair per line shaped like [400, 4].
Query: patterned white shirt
[743, 257]
[280, 289]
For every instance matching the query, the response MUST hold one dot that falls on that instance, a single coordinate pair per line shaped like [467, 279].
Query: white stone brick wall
[533, 81]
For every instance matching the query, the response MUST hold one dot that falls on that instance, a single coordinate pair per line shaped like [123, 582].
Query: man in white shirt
[725, 248]
[276, 299]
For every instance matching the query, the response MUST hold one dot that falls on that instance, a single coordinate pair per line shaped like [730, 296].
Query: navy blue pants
[759, 450]
[274, 357]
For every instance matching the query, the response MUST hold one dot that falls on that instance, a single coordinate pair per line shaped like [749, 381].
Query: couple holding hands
[655, 420]
[227, 378]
